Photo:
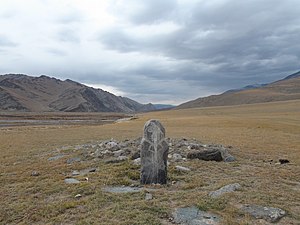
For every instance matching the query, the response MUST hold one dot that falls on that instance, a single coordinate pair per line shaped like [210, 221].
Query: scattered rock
[177, 157]
[137, 161]
[119, 153]
[53, 158]
[116, 160]
[75, 173]
[148, 197]
[83, 172]
[112, 145]
[283, 161]
[35, 173]
[72, 160]
[122, 189]
[226, 189]
[182, 169]
[71, 181]
[78, 196]
[229, 158]
[269, 214]
[194, 216]
[136, 155]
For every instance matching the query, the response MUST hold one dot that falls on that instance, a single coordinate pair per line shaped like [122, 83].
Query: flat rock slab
[71, 181]
[269, 214]
[122, 189]
[194, 216]
[53, 158]
[226, 189]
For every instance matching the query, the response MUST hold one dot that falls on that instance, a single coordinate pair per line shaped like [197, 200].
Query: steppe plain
[260, 135]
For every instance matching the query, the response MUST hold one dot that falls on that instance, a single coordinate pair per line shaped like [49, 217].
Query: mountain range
[20, 92]
[286, 89]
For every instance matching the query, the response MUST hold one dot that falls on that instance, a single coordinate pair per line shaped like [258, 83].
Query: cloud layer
[152, 51]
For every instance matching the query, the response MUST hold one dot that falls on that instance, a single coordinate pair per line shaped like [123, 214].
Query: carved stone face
[154, 131]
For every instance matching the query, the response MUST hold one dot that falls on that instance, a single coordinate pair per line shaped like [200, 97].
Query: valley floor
[259, 134]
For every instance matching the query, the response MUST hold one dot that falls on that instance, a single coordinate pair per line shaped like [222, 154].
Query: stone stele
[154, 154]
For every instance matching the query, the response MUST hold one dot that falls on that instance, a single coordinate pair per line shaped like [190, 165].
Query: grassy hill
[282, 90]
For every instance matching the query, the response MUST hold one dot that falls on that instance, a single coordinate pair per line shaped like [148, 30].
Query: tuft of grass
[215, 204]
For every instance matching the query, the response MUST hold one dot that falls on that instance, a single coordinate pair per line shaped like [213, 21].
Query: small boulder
[35, 173]
[226, 189]
[182, 169]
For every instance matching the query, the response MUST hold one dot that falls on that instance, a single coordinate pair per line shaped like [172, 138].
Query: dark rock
[207, 155]
[269, 214]
[283, 161]
[194, 216]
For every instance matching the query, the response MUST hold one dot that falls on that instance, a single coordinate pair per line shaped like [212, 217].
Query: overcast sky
[160, 51]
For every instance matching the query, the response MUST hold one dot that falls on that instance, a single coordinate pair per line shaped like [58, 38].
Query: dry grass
[257, 133]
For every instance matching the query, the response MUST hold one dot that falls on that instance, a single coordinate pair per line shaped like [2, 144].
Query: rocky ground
[180, 151]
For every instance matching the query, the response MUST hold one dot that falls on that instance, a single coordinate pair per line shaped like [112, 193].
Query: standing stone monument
[154, 154]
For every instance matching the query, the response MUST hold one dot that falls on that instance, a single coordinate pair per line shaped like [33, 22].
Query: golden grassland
[258, 133]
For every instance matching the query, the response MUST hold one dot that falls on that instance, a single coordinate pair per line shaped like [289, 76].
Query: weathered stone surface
[194, 216]
[122, 189]
[154, 154]
[269, 214]
[226, 189]
[71, 181]
[207, 155]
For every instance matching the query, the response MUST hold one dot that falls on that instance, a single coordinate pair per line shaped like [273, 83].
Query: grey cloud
[56, 52]
[6, 42]
[68, 35]
[71, 16]
[146, 11]
[237, 40]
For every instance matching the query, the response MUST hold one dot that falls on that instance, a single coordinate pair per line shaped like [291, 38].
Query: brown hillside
[287, 89]
[40, 94]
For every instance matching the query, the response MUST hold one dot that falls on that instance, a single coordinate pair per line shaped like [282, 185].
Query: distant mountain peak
[44, 93]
